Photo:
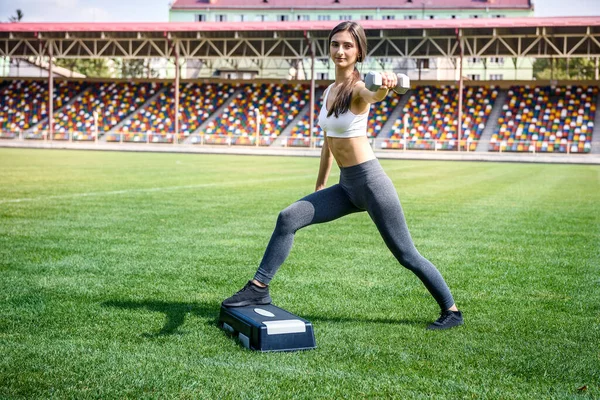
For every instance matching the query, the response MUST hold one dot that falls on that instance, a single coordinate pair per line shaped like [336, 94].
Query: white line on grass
[160, 189]
[155, 189]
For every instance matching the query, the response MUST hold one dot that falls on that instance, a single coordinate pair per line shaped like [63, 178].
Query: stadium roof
[351, 4]
[506, 37]
[174, 27]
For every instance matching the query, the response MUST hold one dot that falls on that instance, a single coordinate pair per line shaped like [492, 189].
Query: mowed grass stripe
[117, 296]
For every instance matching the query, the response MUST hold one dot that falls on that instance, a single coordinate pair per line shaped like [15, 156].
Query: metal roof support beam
[191, 54]
[512, 51]
[439, 48]
[268, 53]
[558, 52]
[416, 47]
[583, 39]
[536, 41]
[124, 52]
[485, 47]
[373, 49]
[218, 51]
[400, 53]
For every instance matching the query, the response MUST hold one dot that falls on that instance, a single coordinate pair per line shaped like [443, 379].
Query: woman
[363, 185]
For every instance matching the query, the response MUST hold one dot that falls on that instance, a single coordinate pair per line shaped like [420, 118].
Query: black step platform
[268, 328]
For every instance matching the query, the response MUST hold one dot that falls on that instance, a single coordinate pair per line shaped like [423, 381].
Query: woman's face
[343, 48]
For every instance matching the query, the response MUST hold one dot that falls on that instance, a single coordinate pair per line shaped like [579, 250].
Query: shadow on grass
[361, 319]
[175, 313]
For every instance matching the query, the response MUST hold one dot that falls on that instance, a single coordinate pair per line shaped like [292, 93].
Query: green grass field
[114, 265]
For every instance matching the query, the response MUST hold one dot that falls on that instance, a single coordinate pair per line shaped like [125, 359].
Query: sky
[158, 10]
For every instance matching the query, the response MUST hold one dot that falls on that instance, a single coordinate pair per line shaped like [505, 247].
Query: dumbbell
[373, 82]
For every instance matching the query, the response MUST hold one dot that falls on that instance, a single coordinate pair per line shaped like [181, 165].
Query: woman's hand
[319, 187]
[389, 80]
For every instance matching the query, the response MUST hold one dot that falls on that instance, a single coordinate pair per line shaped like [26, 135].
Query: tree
[557, 69]
[93, 67]
[136, 68]
[17, 17]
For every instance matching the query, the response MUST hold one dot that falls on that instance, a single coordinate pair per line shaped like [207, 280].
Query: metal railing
[563, 145]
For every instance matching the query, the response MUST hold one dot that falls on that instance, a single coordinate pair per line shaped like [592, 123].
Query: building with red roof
[291, 11]
[318, 10]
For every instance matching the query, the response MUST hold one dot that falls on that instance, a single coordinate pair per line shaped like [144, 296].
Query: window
[283, 18]
[366, 17]
[474, 77]
[498, 16]
[323, 17]
[410, 17]
[303, 17]
[388, 17]
[432, 17]
[453, 17]
[323, 76]
[424, 63]
[345, 17]
[496, 77]
[200, 17]
[221, 18]
[473, 60]
[260, 18]
[474, 16]
[497, 60]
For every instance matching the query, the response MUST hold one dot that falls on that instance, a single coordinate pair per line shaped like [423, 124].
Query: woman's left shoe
[448, 319]
[250, 294]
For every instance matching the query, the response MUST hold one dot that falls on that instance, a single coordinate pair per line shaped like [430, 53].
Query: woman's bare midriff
[350, 151]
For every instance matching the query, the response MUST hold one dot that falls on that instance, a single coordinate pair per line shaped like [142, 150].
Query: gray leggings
[363, 187]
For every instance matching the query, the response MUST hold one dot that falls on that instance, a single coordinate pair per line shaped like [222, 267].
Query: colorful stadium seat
[196, 103]
[24, 104]
[547, 119]
[277, 105]
[432, 118]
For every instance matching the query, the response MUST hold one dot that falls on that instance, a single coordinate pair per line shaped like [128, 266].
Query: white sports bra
[347, 125]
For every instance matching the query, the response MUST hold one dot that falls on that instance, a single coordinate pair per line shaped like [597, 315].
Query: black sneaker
[249, 295]
[448, 319]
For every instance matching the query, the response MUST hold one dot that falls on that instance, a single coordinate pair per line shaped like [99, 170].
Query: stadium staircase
[596, 132]
[386, 129]
[120, 125]
[492, 122]
[287, 132]
[195, 136]
[40, 125]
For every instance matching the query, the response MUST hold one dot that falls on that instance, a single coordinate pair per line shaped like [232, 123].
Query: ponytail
[343, 98]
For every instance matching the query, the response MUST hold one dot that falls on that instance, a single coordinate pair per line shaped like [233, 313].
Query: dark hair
[342, 101]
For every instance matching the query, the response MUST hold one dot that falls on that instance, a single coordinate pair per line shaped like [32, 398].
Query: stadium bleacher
[533, 118]
[277, 105]
[24, 104]
[300, 132]
[112, 101]
[547, 119]
[196, 104]
[432, 118]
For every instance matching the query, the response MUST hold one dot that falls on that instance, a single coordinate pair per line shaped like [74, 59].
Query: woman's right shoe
[250, 294]
[448, 319]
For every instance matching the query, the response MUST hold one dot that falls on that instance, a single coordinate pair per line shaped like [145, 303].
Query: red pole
[50, 93]
[176, 92]
[460, 89]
